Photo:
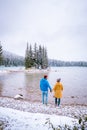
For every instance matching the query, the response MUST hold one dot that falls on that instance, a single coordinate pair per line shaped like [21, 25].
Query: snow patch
[19, 120]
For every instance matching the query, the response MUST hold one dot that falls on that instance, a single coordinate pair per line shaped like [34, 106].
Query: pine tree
[36, 57]
[45, 59]
[1, 51]
[31, 56]
[40, 56]
[27, 58]
[29, 61]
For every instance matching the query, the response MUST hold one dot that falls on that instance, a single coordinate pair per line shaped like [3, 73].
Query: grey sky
[60, 25]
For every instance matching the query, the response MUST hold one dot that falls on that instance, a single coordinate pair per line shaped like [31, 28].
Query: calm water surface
[74, 80]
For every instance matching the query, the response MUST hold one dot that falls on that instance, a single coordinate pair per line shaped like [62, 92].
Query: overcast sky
[59, 25]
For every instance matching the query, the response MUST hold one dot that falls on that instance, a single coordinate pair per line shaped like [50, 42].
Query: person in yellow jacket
[58, 88]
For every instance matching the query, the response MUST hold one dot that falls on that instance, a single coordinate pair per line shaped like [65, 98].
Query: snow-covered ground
[19, 120]
[26, 115]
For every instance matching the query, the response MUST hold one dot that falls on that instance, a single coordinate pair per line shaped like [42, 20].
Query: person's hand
[50, 90]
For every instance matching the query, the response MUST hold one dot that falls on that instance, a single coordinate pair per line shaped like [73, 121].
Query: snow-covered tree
[1, 56]
[27, 57]
[44, 58]
[36, 57]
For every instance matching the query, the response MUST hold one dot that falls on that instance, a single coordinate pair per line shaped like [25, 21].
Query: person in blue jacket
[44, 86]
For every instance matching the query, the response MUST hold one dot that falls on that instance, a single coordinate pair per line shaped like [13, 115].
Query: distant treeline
[35, 56]
[10, 59]
[60, 63]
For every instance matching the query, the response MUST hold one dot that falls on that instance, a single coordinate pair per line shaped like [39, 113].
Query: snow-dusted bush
[81, 125]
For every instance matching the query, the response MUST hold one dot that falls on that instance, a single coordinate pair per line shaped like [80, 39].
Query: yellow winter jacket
[58, 88]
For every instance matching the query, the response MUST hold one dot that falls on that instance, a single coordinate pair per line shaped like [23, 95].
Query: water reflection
[32, 89]
[12, 83]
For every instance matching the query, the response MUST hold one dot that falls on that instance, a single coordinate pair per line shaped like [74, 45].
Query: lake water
[74, 80]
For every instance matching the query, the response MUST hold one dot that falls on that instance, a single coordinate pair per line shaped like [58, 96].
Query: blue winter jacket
[44, 85]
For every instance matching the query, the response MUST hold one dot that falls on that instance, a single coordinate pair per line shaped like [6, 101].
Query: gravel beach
[38, 107]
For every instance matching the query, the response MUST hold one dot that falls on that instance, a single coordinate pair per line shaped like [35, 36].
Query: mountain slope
[12, 59]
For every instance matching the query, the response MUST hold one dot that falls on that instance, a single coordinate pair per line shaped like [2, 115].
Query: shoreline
[37, 107]
[39, 101]
[22, 69]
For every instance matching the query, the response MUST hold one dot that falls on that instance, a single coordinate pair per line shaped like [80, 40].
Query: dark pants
[57, 101]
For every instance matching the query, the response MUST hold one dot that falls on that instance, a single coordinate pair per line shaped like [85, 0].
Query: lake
[74, 80]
